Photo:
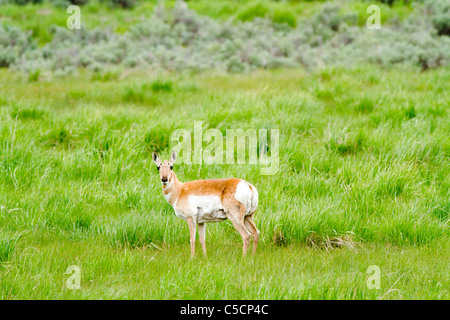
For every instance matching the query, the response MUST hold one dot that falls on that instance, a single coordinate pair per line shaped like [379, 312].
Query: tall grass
[7, 246]
[364, 175]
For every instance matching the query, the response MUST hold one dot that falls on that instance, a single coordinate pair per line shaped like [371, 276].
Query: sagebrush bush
[439, 10]
[13, 43]
[180, 39]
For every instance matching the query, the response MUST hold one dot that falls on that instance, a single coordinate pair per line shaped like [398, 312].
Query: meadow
[363, 180]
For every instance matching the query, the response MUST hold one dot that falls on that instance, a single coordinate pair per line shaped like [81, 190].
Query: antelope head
[165, 168]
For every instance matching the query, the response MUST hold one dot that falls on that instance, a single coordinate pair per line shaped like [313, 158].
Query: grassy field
[363, 180]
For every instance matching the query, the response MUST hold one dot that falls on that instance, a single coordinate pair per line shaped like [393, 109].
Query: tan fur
[178, 193]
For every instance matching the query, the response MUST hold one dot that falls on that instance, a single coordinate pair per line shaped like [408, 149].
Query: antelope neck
[172, 189]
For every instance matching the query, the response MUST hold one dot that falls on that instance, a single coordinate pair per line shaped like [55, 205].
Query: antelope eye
[171, 167]
[158, 168]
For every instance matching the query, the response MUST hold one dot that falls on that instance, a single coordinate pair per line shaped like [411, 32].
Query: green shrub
[388, 2]
[25, 2]
[284, 16]
[78, 2]
[125, 4]
[253, 10]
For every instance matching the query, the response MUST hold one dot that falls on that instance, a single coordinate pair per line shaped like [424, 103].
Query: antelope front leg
[191, 225]
[201, 233]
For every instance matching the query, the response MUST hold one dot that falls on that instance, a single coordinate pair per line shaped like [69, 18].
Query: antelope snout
[164, 180]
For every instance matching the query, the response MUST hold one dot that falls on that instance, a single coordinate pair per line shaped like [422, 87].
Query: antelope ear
[156, 158]
[173, 157]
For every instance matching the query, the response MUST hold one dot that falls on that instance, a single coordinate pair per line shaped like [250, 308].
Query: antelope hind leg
[248, 220]
[238, 222]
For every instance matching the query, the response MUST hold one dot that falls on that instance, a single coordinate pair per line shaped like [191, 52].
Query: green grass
[7, 247]
[276, 273]
[363, 180]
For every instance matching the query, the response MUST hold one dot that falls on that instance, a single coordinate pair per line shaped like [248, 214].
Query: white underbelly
[213, 216]
[207, 208]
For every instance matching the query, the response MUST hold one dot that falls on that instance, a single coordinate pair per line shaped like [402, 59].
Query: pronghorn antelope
[203, 201]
